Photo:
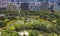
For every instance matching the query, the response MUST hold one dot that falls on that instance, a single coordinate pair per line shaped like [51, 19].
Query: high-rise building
[31, 4]
[39, 5]
[24, 6]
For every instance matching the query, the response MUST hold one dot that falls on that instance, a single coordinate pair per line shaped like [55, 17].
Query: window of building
[51, 0]
[39, 0]
[24, 1]
[32, 0]
[46, 0]
[12, 0]
[18, 0]
[59, 3]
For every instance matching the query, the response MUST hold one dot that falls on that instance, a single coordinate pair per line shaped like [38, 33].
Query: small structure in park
[0, 33]
[25, 33]
[2, 15]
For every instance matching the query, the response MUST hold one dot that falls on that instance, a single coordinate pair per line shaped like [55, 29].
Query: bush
[2, 23]
[9, 33]
[18, 26]
[33, 33]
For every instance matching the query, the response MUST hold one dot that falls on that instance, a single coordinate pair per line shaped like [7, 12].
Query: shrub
[33, 33]
[2, 23]
[9, 33]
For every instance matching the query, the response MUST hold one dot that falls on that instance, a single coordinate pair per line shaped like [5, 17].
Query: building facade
[31, 4]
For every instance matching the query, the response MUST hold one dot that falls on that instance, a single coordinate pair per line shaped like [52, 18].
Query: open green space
[36, 23]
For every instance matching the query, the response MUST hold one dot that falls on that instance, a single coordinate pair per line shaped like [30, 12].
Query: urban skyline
[27, 0]
[32, 3]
